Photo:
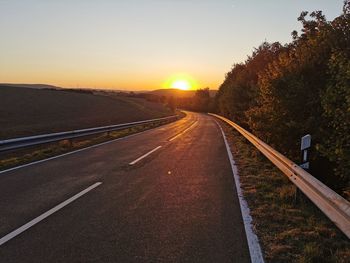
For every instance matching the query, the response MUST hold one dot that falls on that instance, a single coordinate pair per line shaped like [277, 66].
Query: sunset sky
[139, 44]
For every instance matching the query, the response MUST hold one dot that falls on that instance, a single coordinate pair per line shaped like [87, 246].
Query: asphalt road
[177, 204]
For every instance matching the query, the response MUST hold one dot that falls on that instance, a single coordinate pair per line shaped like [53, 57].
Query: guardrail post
[305, 164]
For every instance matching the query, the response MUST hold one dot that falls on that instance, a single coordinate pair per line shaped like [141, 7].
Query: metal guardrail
[335, 207]
[16, 143]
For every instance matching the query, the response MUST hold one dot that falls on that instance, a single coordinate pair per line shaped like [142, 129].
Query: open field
[26, 111]
[288, 231]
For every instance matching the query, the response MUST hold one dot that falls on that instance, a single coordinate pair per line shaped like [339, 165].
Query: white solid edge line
[253, 241]
[181, 133]
[145, 155]
[36, 220]
[76, 151]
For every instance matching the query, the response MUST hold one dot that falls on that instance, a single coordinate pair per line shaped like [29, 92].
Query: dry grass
[288, 232]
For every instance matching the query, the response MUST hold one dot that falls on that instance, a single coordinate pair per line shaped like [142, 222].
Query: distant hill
[29, 111]
[176, 93]
[32, 86]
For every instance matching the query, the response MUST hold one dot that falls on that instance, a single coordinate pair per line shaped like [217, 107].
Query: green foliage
[336, 105]
[200, 102]
[239, 91]
[284, 92]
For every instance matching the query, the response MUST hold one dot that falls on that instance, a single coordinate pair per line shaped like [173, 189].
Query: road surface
[164, 195]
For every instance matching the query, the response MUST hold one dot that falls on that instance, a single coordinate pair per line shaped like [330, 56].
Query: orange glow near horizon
[128, 82]
[181, 81]
[124, 83]
[138, 45]
[181, 84]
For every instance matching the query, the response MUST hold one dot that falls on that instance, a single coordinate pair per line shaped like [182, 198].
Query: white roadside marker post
[305, 164]
[304, 147]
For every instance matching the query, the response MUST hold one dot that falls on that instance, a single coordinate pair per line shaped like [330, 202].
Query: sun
[180, 81]
[181, 84]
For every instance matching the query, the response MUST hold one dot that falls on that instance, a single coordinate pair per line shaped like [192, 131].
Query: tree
[281, 93]
[201, 100]
[239, 91]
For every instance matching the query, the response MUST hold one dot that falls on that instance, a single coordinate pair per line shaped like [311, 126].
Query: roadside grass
[37, 153]
[288, 231]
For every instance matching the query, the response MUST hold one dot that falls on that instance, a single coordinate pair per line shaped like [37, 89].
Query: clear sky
[139, 44]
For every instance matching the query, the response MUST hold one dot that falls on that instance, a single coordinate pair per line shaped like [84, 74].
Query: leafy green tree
[201, 100]
[336, 104]
[281, 93]
[239, 91]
